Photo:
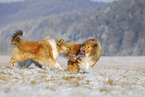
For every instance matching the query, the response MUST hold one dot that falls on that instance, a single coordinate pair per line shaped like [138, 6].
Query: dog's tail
[16, 37]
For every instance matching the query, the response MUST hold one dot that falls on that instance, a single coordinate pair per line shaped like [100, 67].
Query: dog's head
[62, 46]
[70, 43]
[89, 45]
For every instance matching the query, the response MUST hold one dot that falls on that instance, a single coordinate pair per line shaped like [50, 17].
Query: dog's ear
[61, 41]
[83, 45]
[95, 45]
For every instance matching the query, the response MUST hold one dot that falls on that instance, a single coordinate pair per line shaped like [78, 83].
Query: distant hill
[120, 27]
[30, 9]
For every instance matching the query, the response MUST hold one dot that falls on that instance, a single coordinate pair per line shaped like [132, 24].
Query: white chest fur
[85, 63]
[53, 44]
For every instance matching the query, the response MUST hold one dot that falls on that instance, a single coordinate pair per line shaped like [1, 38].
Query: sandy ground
[110, 77]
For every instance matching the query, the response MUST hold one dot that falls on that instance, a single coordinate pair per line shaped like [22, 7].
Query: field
[110, 77]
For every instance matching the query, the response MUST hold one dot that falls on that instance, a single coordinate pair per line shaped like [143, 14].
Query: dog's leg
[58, 66]
[54, 64]
[15, 59]
[14, 64]
[11, 61]
[49, 62]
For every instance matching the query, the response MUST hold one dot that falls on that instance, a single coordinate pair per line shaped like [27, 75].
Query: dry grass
[110, 79]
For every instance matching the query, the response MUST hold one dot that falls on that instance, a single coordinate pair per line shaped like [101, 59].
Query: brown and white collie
[44, 52]
[88, 53]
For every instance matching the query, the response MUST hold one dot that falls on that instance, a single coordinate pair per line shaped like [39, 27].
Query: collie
[86, 55]
[26, 63]
[44, 52]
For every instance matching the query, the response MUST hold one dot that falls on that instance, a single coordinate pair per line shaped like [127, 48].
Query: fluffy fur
[26, 63]
[40, 51]
[92, 49]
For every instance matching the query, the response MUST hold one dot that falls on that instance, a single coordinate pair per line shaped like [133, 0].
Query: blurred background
[118, 24]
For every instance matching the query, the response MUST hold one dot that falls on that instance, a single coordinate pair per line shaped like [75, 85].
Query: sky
[10, 0]
[23, 0]
[103, 0]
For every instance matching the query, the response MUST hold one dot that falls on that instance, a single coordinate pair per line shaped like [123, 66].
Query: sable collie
[44, 52]
[26, 63]
[88, 53]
